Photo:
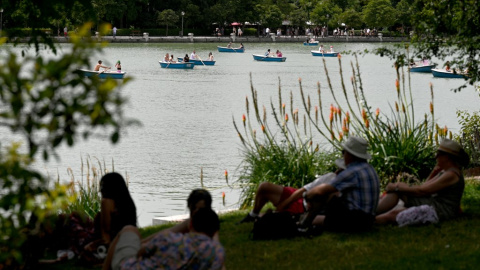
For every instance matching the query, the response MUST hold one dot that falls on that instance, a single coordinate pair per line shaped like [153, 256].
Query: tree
[449, 30]
[270, 16]
[352, 18]
[47, 103]
[167, 17]
[326, 13]
[379, 13]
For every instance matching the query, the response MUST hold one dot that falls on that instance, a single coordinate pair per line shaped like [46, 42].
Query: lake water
[187, 115]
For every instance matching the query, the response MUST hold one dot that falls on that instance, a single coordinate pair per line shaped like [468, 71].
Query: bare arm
[181, 227]
[429, 187]
[107, 208]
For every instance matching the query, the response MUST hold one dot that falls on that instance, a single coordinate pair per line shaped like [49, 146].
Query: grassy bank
[448, 245]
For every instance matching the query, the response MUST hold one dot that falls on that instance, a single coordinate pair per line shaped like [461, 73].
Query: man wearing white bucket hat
[350, 201]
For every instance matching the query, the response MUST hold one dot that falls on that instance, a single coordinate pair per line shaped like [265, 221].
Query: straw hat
[340, 163]
[357, 146]
[454, 148]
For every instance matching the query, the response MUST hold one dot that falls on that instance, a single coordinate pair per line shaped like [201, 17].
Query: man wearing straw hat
[350, 201]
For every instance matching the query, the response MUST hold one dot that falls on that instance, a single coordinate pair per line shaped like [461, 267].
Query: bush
[283, 154]
[399, 145]
[469, 135]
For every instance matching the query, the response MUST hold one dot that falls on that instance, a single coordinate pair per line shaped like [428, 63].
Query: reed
[87, 189]
[286, 150]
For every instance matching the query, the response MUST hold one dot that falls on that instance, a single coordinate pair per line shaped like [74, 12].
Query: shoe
[247, 218]
[309, 231]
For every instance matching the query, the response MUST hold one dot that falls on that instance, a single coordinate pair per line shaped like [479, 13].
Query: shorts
[127, 247]
[341, 219]
[295, 207]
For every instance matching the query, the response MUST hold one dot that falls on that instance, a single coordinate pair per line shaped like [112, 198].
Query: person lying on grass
[442, 191]
[168, 250]
[287, 199]
[351, 199]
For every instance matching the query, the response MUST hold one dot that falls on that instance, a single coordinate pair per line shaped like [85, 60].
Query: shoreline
[145, 38]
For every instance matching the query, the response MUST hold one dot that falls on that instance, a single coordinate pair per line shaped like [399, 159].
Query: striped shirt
[359, 187]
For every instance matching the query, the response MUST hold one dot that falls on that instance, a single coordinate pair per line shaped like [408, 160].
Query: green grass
[448, 245]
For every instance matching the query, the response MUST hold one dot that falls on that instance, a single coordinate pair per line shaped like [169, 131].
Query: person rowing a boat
[99, 65]
[166, 59]
[210, 56]
[321, 49]
[267, 53]
[193, 55]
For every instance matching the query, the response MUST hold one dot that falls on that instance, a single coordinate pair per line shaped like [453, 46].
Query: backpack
[275, 225]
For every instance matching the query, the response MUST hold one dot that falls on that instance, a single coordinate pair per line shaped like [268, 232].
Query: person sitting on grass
[198, 198]
[168, 250]
[117, 210]
[350, 200]
[442, 190]
[287, 198]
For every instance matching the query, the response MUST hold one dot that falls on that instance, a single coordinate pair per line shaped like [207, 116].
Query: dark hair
[114, 187]
[198, 195]
[205, 220]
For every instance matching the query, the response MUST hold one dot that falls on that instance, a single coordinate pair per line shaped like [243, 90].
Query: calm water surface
[187, 115]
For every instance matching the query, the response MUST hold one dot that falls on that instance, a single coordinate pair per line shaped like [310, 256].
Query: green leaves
[47, 102]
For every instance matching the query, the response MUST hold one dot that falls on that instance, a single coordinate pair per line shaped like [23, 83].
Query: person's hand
[391, 187]
[90, 246]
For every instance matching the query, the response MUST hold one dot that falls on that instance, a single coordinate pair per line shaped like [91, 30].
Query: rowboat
[314, 43]
[324, 54]
[198, 62]
[421, 68]
[442, 73]
[259, 57]
[234, 50]
[177, 65]
[112, 74]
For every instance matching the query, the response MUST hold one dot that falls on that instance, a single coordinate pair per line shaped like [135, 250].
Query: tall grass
[284, 152]
[87, 188]
[398, 142]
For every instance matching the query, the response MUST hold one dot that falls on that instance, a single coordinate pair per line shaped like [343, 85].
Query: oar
[102, 71]
[201, 60]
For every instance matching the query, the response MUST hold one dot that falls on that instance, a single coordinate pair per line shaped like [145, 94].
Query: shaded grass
[449, 245]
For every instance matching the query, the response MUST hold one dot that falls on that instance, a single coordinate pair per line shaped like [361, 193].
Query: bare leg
[318, 220]
[389, 217]
[387, 203]
[267, 192]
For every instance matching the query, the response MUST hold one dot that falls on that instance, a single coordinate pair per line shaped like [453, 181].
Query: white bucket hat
[357, 146]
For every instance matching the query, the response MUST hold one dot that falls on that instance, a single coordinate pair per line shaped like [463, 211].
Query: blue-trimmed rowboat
[315, 43]
[324, 54]
[176, 65]
[198, 62]
[112, 74]
[259, 57]
[234, 50]
[442, 73]
[420, 68]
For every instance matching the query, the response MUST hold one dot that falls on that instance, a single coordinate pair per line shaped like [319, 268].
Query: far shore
[145, 38]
